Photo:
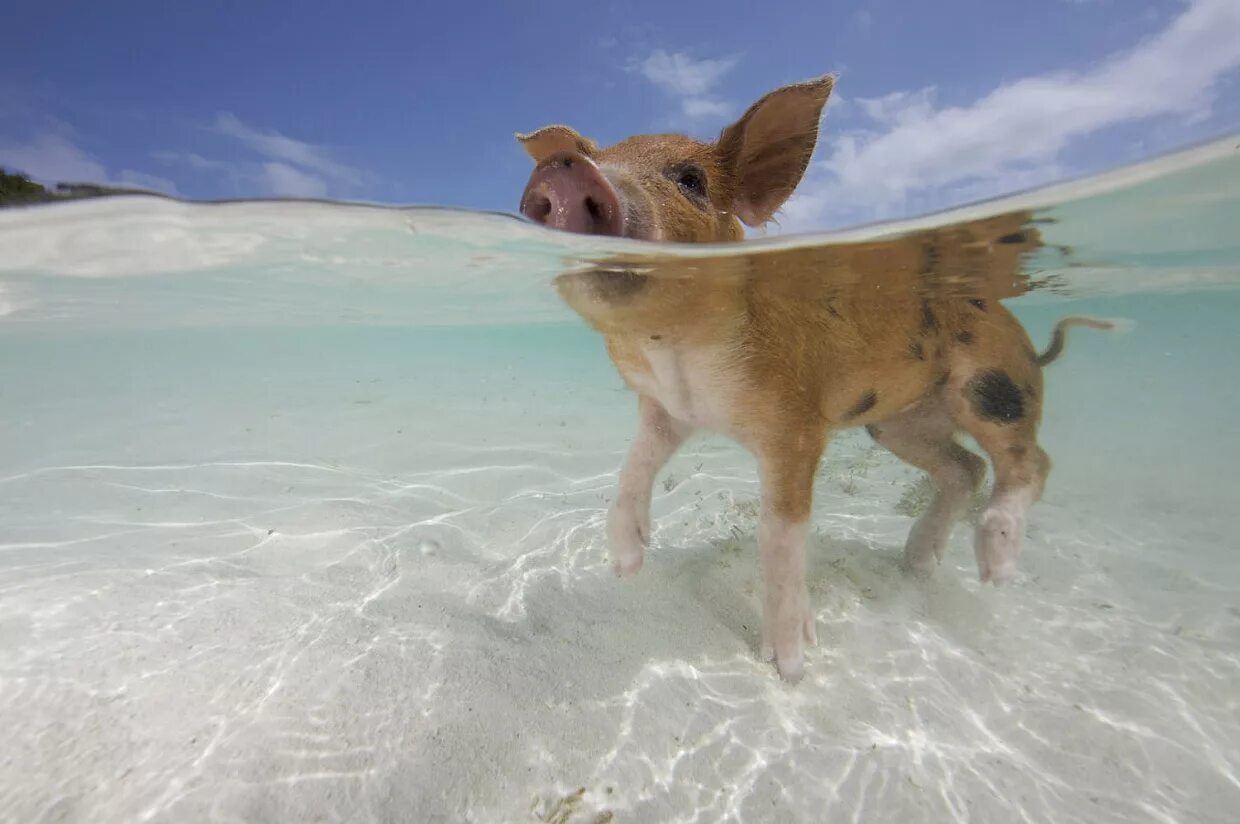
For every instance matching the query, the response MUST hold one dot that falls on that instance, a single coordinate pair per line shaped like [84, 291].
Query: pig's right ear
[551, 139]
[768, 149]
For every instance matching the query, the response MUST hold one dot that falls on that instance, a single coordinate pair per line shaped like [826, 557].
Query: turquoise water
[301, 515]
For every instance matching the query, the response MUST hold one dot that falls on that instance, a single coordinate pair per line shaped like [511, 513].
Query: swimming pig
[778, 349]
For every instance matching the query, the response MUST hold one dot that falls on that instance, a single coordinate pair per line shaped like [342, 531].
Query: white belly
[693, 385]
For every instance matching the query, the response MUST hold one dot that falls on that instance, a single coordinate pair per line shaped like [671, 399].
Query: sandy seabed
[351, 576]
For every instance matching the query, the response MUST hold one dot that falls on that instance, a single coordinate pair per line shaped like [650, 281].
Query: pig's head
[670, 187]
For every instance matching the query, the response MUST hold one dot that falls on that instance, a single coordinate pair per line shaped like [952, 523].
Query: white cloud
[286, 150]
[288, 168]
[242, 178]
[250, 179]
[692, 82]
[896, 108]
[285, 181]
[194, 161]
[1018, 131]
[681, 75]
[51, 157]
[279, 165]
[702, 107]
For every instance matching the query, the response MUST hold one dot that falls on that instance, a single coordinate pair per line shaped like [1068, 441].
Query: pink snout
[568, 192]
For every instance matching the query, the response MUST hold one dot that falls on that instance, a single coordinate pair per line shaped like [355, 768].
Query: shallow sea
[301, 518]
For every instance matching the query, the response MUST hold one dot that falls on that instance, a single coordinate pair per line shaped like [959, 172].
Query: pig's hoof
[926, 541]
[997, 545]
[920, 560]
[791, 668]
[785, 643]
[628, 534]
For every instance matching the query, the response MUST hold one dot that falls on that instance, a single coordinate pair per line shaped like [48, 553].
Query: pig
[790, 347]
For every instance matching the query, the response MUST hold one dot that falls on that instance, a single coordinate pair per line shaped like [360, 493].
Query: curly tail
[1060, 336]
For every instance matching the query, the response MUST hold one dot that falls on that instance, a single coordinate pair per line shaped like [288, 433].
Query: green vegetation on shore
[17, 189]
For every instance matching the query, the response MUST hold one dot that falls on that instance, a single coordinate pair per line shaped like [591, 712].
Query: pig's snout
[567, 191]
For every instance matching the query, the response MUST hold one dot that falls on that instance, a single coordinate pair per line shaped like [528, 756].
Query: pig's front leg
[788, 463]
[659, 435]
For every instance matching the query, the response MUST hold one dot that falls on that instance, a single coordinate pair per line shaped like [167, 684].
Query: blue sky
[937, 103]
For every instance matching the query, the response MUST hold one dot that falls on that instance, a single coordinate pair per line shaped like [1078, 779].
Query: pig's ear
[551, 139]
[768, 149]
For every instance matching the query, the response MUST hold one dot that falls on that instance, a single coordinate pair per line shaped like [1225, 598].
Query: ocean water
[301, 518]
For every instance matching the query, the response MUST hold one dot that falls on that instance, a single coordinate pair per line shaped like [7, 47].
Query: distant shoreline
[17, 189]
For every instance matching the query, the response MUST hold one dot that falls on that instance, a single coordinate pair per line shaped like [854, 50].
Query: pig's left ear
[768, 149]
[551, 139]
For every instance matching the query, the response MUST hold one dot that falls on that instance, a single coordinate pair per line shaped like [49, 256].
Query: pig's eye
[692, 181]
